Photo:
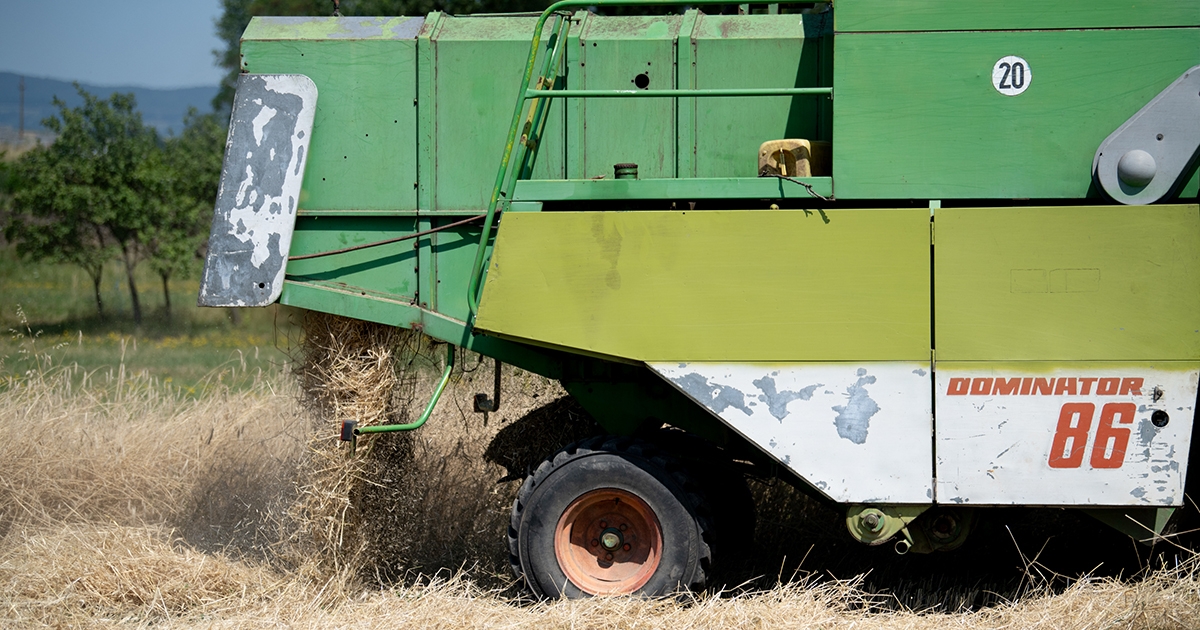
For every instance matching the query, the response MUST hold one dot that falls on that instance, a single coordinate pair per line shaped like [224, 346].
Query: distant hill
[164, 109]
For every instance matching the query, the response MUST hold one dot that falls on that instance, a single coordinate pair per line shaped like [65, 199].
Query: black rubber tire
[725, 491]
[628, 464]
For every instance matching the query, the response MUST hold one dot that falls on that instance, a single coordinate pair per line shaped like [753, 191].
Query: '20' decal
[1011, 75]
[1074, 427]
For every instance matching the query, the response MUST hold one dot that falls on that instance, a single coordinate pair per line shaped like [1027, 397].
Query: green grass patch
[49, 315]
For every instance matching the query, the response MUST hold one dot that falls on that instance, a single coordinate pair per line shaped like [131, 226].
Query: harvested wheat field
[126, 503]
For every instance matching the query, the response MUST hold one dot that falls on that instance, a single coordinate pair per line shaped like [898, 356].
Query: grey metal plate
[265, 153]
[1166, 132]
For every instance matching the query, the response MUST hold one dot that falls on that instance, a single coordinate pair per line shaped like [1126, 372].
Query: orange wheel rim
[608, 542]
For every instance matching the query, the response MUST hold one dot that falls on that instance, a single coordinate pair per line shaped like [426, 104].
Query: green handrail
[416, 424]
[676, 93]
[524, 94]
[535, 124]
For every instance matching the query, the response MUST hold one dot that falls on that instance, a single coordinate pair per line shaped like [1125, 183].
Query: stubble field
[127, 501]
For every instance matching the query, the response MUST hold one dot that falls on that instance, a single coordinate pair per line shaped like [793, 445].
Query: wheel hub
[608, 541]
[611, 539]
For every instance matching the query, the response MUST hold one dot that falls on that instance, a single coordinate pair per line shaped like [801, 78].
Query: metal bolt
[627, 547]
[872, 520]
[610, 539]
[608, 556]
[603, 524]
[595, 543]
[624, 527]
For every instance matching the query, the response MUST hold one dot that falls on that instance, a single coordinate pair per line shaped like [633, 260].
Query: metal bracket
[350, 434]
[875, 525]
[483, 404]
[1148, 158]
[1144, 525]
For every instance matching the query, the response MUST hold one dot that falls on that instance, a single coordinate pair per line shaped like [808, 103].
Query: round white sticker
[1011, 75]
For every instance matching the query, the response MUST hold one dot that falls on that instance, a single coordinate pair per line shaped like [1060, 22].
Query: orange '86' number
[1074, 427]
[1071, 437]
[1107, 434]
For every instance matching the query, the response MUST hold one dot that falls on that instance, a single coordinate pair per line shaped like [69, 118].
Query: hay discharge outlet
[937, 293]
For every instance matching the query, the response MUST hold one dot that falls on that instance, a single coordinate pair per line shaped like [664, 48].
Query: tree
[50, 224]
[91, 192]
[192, 168]
[235, 16]
[7, 180]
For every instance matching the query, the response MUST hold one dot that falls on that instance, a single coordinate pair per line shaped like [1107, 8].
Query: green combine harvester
[919, 259]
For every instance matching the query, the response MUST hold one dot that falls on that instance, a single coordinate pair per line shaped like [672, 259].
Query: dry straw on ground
[126, 504]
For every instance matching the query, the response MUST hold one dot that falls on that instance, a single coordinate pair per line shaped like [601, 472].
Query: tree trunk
[96, 279]
[130, 263]
[97, 272]
[166, 279]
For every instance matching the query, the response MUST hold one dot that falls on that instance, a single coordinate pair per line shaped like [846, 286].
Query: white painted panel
[259, 194]
[858, 432]
[997, 428]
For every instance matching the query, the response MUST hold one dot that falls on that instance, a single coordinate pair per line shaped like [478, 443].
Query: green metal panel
[363, 152]
[1112, 283]
[754, 51]
[702, 188]
[685, 108]
[614, 52]
[478, 63]
[427, 112]
[390, 269]
[715, 286]
[958, 15]
[454, 253]
[574, 106]
[916, 115]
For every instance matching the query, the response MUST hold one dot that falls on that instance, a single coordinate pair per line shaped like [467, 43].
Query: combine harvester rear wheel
[630, 520]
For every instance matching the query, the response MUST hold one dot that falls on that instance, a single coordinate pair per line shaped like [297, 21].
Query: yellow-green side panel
[1111, 283]
[766, 285]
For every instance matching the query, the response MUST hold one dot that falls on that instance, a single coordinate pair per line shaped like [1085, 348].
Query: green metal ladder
[543, 91]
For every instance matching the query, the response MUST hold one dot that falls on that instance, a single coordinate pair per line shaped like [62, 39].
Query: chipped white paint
[1009, 437]
[858, 432]
[259, 194]
[256, 222]
[260, 121]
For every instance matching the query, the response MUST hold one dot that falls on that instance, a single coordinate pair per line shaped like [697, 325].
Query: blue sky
[147, 43]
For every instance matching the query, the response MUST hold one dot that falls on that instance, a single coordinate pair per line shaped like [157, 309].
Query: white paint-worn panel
[1071, 434]
[858, 432]
[265, 153]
